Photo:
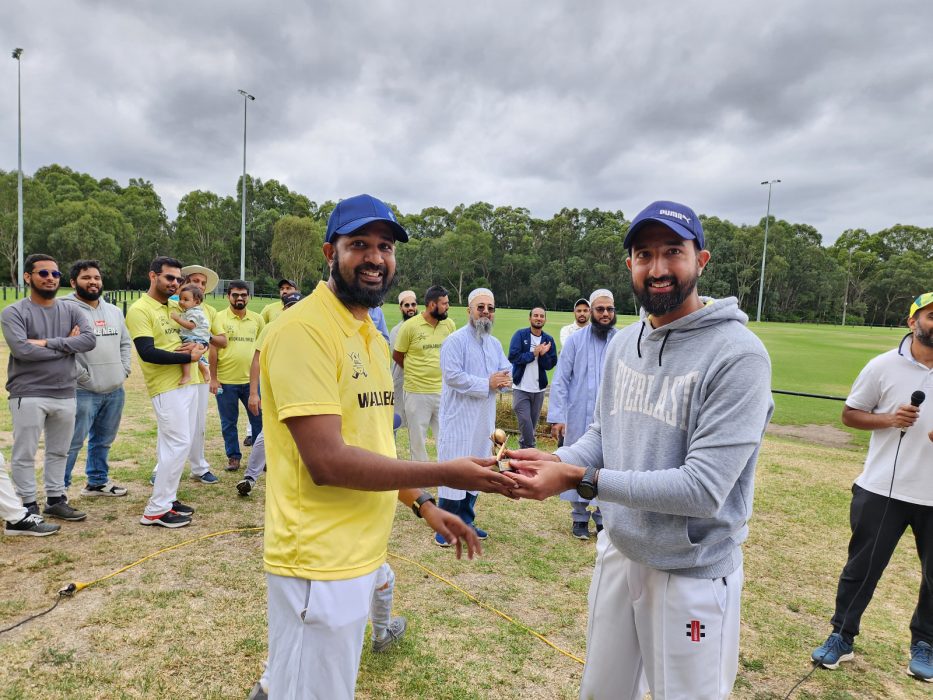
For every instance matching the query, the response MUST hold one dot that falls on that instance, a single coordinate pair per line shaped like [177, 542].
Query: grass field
[191, 622]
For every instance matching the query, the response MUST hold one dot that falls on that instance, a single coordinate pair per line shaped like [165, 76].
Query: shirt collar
[347, 322]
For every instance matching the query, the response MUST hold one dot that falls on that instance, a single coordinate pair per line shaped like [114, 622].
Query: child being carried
[196, 328]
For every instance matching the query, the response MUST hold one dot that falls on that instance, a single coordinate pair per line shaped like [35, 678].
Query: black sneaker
[63, 511]
[167, 519]
[32, 525]
[244, 486]
[581, 531]
[32, 509]
[182, 509]
[248, 441]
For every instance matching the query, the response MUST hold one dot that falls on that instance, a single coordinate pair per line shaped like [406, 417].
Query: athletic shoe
[233, 464]
[32, 525]
[833, 652]
[257, 693]
[244, 486]
[167, 519]
[32, 509]
[108, 489]
[480, 534]
[440, 541]
[182, 509]
[63, 511]
[206, 478]
[599, 528]
[581, 531]
[393, 633]
[921, 661]
[152, 480]
[248, 441]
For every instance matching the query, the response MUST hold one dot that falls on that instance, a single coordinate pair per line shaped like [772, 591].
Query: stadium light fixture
[246, 99]
[17, 53]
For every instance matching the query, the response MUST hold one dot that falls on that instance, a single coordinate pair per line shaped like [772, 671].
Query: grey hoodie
[106, 367]
[677, 428]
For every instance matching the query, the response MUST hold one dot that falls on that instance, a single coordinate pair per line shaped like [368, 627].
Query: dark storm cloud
[542, 105]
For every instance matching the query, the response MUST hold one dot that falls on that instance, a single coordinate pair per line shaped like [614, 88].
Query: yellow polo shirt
[148, 317]
[318, 359]
[272, 311]
[421, 342]
[234, 360]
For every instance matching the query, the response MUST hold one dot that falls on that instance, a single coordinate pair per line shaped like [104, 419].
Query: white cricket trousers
[11, 508]
[679, 633]
[421, 412]
[175, 416]
[316, 631]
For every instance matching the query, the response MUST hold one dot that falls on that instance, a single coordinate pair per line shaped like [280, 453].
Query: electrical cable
[33, 617]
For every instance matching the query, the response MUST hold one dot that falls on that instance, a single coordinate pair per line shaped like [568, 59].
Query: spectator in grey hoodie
[101, 373]
[44, 335]
[671, 455]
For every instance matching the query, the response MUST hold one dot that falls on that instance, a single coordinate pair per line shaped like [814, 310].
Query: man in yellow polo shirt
[230, 367]
[156, 337]
[332, 479]
[272, 311]
[418, 352]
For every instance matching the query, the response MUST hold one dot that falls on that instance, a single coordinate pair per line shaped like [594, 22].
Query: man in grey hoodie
[44, 335]
[671, 454]
[101, 373]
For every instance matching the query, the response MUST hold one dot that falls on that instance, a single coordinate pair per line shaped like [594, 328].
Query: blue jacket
[520, 355]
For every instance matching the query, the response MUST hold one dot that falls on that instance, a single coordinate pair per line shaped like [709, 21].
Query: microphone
[916, 399]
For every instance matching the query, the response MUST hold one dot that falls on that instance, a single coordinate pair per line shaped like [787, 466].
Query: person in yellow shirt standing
[156, 336]
[332, 479]
[272, 311]
[418, 352]
[230, 367]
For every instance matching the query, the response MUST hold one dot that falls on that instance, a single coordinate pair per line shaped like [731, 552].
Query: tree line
[525, 259]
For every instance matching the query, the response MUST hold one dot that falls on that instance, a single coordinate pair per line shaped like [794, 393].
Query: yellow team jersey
[148, 317]
[318, 359]
[421, 342]
[272, 311]
[234, 360]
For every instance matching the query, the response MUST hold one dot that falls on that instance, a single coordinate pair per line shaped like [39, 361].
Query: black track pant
[864, 518]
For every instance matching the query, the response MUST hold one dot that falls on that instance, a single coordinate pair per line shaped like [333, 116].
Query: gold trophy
[498, 439]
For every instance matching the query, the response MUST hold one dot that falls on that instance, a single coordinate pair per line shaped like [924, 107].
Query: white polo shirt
[885, 383]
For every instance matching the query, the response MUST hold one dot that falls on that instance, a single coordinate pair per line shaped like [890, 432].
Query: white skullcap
[601, 293]
[407, 293]
[480, 292]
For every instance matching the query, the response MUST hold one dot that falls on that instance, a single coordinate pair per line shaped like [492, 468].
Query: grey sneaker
[581, 531]
[394, 632]
[108, 489]
[32, 525]
[244, 486]
[63, 511]
[257, 693]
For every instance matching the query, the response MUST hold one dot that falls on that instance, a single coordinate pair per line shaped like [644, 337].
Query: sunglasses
[44, 274]
[604, 309]
[482, 307]
[411, 305]
[173, 278]
[242, 295]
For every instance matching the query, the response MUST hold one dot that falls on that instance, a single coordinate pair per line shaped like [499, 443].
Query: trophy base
[503, 465]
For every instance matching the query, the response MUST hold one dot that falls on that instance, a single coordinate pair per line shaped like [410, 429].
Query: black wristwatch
[420, 501]
[587, 486]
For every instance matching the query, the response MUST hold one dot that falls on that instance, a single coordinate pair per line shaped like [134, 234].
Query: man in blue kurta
[574, 390]
[473, 370]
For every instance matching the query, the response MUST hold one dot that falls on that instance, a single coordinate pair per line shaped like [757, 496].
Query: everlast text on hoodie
[106, 367]
[677, 428]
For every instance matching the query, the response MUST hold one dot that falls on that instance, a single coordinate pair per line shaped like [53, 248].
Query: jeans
[465, 508]
[97, 419]
[228, 405]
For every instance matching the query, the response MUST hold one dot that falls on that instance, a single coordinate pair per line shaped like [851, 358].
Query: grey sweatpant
[422, 411]
[32, 415]
[527, 406]
[257, 458]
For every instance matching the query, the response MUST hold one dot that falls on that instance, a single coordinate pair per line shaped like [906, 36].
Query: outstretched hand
[539, 479]
[452, 529]
[531, 454]
[476, 474]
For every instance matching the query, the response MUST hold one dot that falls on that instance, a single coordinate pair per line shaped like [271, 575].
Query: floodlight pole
[845, 300]
[246, 98]
[764, 251]
[17, 53]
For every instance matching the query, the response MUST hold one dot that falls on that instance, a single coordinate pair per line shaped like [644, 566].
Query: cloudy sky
[535, 103]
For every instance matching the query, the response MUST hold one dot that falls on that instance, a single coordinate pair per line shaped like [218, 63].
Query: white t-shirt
[529, 381]
[885, 383]
[568, 331]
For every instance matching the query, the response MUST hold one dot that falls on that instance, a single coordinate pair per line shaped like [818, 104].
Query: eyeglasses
[412, 305]
[243, 295]
[172, 278]
[483, 307]
[47, 273]
[604, 309]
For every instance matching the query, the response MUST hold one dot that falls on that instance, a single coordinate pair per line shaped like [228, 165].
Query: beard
[481, 327]
[601, 330]
[239, 304]
[87, 295]
[661, 304]
[409, 313]
[352, 293]
[438, 315]
[45, 293]
[923, 337]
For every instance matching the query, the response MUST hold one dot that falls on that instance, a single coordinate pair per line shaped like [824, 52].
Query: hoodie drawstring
[663, 343]
[638, 344]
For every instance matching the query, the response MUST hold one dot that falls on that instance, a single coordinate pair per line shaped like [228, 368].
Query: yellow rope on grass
[488, 607]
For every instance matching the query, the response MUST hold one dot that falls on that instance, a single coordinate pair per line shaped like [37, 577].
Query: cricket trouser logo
[695, 630]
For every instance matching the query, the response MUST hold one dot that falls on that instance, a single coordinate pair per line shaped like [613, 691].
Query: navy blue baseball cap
[679, 218]
[355, 212]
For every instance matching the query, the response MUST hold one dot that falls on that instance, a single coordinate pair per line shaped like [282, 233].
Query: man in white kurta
[573, 394]
[473, 370]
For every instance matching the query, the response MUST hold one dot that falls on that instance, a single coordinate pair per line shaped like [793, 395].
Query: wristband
[420, 501]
